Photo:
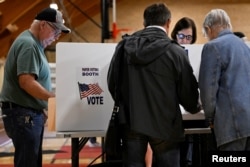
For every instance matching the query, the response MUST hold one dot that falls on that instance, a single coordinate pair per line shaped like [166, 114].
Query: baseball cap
[53, 16]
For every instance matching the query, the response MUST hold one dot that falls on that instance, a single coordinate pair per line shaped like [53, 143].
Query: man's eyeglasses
[57, 32]
[182, 36]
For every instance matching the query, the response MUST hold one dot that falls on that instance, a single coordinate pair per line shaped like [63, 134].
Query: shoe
[96, 144]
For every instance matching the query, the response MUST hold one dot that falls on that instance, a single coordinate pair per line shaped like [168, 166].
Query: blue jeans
[25, 127]
[92, 139]
[165, 154]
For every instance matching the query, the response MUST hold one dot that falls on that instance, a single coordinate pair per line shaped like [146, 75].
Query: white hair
[217, 18]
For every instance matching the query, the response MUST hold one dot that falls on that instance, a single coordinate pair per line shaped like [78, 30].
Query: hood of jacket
[145, 46]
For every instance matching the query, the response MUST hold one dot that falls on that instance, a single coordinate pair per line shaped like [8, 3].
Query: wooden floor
[50, 144]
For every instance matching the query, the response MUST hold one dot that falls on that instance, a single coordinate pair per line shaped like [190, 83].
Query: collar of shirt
[160, 27]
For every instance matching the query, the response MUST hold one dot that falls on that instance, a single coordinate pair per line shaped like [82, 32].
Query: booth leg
[74, 152]
[103, 148]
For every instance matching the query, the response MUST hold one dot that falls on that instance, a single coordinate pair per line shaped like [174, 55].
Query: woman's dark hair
[184, 23]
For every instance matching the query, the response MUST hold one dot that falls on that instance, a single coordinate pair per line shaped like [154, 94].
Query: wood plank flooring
[51, 145]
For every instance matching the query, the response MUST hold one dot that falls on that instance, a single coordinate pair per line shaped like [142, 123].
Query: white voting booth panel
[83, 101]
[194, 55]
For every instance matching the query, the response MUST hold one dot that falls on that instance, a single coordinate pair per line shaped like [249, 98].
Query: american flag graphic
[89, 89]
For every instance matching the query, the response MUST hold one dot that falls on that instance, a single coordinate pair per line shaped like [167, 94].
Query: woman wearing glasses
[184, 31]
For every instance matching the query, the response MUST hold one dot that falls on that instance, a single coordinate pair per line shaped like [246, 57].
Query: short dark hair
[156, 14]
[184, 23]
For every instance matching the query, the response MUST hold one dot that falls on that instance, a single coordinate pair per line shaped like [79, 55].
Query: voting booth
[83, 101]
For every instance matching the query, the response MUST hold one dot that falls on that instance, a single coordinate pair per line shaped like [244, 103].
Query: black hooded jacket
[155, 76]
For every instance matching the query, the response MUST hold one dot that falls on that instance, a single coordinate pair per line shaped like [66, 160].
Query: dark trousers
[92, 139]
[25, 127]
[195, 148]
[166, 154]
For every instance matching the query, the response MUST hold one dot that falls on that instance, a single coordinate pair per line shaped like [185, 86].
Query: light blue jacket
[224, 82]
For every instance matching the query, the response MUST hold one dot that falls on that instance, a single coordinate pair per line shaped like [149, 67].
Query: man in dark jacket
[151, 76]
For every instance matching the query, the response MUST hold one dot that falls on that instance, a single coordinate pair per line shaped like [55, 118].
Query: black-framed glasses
[182, 36]
[57, 32]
